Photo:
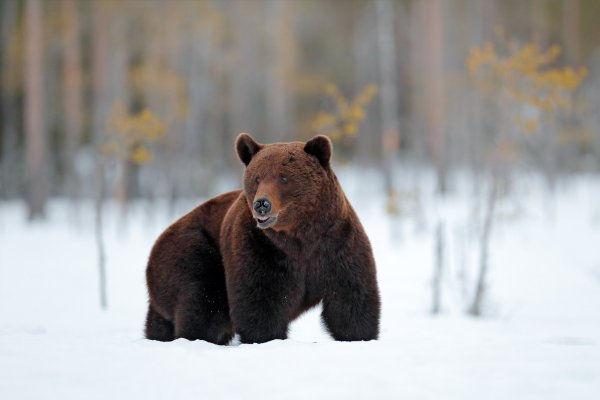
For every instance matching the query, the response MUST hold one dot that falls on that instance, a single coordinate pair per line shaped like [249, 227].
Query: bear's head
[286, 183]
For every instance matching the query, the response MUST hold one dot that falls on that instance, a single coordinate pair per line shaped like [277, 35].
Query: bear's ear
[246, 147]
[320, 147]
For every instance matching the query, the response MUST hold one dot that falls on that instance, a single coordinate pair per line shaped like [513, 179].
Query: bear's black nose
[262, 206]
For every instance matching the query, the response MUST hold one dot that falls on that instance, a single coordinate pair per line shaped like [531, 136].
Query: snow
[540, 337]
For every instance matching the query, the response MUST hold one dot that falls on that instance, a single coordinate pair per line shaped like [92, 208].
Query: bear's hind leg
[157, 327]
[203, 314]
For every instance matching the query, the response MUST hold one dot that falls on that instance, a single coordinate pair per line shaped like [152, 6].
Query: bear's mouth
[266, 222]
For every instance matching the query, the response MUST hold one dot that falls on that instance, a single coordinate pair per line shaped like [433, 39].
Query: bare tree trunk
[9, 176]
[118, 89]
[73, 98]
[364, 39]
[549, 144]
[202, 94]
[417, 81]
[100, 115]
[281, 65]
[571, 11]
[245, 71]
[539, 15]
[488, 224]
[100, 184]
[195, 71]
[434, 84]
[386, 47]
[482, 14]
[35, 132]
[176, 143]
[436, 285]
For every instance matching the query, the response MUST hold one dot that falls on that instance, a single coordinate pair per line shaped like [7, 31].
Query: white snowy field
[540, 338]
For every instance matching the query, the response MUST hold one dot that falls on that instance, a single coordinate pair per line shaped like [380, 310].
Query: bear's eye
[257, 179]
[283, 179]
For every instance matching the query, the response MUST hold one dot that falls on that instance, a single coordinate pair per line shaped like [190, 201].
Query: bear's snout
[262, 213]
[262, 206]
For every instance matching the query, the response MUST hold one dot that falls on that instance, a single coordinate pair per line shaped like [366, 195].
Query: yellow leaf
[141, 155]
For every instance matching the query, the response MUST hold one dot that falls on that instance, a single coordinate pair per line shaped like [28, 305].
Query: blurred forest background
[466, 135]
[143, 99]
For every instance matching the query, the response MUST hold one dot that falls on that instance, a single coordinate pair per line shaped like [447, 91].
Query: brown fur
[185, 277]
[316, 251]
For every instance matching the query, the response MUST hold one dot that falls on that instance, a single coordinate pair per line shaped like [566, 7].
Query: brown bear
[251, 261]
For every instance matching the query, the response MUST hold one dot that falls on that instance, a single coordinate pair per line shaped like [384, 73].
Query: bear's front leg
[351, 304]
[261, 293]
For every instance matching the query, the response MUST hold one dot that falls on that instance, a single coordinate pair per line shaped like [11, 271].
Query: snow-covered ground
[539, 340]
